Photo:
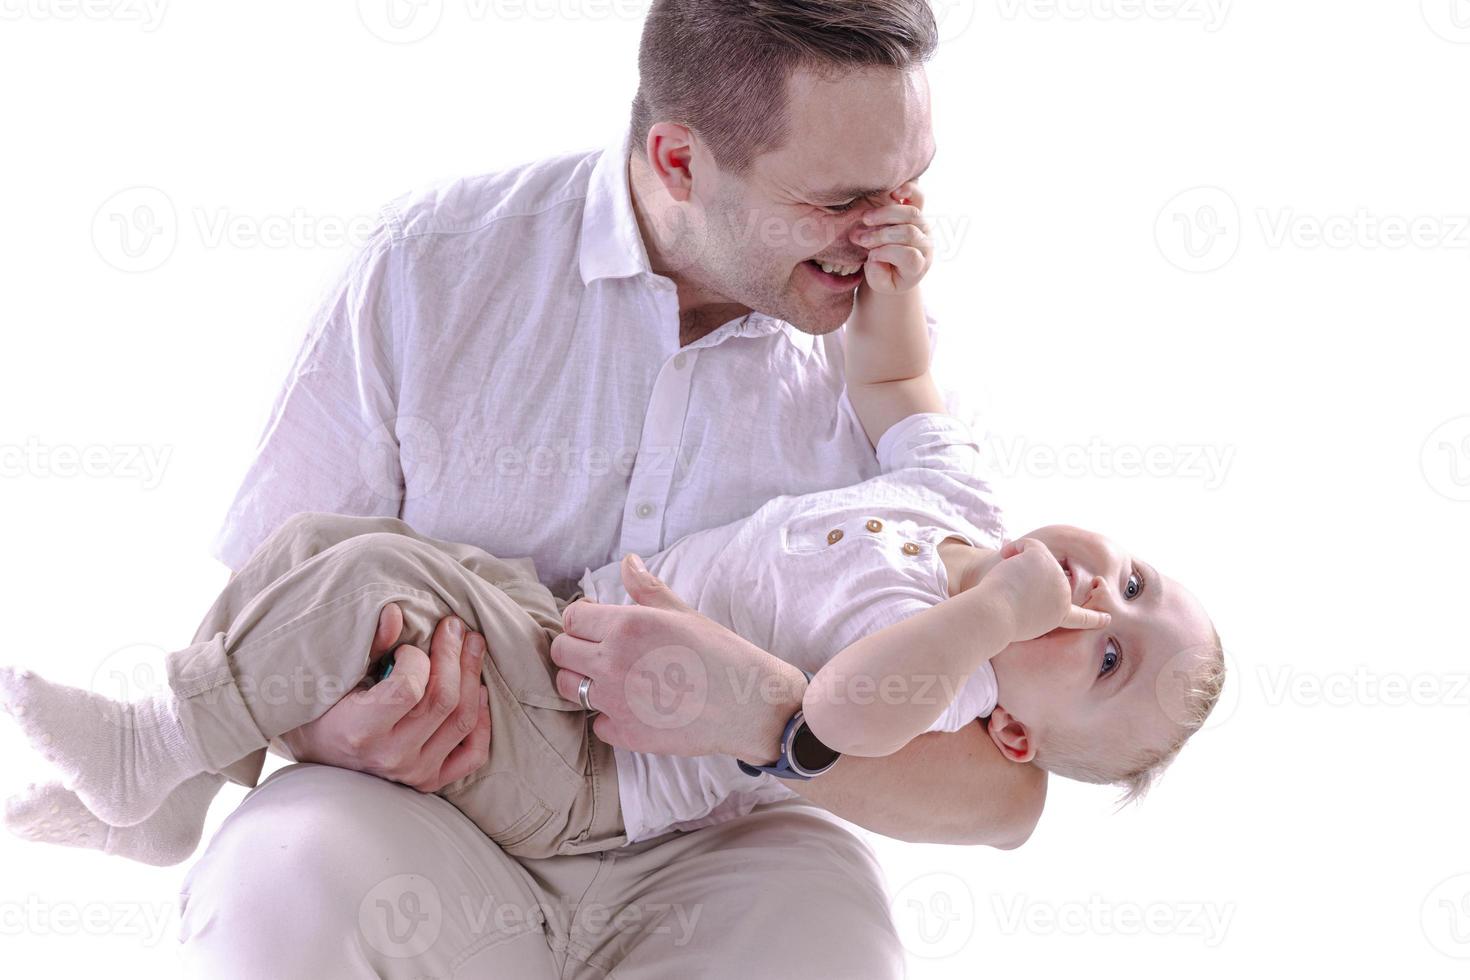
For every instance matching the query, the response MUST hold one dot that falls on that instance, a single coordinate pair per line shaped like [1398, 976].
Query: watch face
[808, 752]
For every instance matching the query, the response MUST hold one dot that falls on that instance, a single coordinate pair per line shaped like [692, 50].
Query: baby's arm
[881, 691]
[887, 341]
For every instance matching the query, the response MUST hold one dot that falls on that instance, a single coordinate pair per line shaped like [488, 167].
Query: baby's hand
[898, 236]
[1038, 591]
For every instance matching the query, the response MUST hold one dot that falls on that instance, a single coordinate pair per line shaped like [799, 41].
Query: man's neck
[700, 312]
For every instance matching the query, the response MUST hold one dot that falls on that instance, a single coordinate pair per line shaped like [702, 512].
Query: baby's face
[1121, 685]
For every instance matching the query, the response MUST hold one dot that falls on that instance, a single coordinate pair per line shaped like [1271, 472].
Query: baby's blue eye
[1134, 587]
[1111, 656]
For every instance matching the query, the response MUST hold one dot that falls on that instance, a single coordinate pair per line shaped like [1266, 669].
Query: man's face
[852, 142]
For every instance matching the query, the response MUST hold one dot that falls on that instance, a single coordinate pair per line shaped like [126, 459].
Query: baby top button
[835, 536]
[875, 526]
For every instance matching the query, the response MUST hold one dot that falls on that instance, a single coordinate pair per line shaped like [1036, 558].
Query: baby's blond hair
[1066, 754]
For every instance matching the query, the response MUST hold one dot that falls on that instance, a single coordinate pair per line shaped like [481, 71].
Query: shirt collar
[758, 325]
[612, 245]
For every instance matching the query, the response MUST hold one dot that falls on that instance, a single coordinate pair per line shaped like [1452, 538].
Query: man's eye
[1134, 588]
[1112, 656]
[841, 208]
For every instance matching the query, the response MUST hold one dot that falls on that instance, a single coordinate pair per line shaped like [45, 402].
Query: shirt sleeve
[930, 441]
[332, 442]
[975, 700]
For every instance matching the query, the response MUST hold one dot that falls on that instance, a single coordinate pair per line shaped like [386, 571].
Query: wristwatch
[803, 755]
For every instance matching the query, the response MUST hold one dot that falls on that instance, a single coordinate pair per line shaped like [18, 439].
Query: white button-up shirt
[500, 366]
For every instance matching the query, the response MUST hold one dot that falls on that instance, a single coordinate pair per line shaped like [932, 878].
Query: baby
[893, 593]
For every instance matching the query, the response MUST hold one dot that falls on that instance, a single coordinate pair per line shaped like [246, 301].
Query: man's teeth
[839, 270]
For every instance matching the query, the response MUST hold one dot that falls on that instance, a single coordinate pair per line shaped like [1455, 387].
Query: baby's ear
[1010, 736]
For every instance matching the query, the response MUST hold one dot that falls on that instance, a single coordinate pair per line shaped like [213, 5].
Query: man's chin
[821, 320]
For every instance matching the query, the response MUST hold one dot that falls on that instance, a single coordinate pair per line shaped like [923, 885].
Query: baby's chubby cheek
[1037, 671]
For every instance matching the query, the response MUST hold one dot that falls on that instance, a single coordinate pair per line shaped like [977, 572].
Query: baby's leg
[292, 650]
[52, 814]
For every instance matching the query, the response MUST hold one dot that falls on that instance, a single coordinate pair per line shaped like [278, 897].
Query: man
[573, 360]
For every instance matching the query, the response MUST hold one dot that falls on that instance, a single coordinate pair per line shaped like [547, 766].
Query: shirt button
[680, 361]
[875, 526]
[645, 510]
[835, 536]
[910, 549]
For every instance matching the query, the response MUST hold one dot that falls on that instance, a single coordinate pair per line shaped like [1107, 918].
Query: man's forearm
[940, 788]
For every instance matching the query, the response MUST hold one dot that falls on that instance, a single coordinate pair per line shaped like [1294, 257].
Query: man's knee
[286, 873]
[831, 886]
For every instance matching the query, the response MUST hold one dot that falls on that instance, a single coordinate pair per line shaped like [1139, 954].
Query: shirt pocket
[811, 533]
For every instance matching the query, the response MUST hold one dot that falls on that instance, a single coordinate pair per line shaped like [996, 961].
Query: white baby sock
[121, 758]
[52, 814]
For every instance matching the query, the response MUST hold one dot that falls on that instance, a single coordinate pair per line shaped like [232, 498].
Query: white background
[1099, 308]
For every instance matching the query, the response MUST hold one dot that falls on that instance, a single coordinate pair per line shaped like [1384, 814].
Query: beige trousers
[514, 873]
[290, 635]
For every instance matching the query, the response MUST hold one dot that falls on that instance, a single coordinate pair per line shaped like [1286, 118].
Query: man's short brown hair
[721, 67]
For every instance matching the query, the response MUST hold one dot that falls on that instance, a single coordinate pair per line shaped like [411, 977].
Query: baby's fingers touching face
[897, 237]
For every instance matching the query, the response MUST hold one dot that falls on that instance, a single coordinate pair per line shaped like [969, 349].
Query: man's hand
[667, 680]
[425, 726]
[1037, 592]
[898, 236]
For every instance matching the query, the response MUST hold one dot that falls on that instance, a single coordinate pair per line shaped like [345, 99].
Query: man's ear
[1010, 736]
[669, 151]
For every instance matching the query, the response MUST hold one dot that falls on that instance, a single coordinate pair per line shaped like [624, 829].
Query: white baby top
[804, 577]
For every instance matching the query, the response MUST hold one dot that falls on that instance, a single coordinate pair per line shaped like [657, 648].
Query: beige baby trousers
[291, 634]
